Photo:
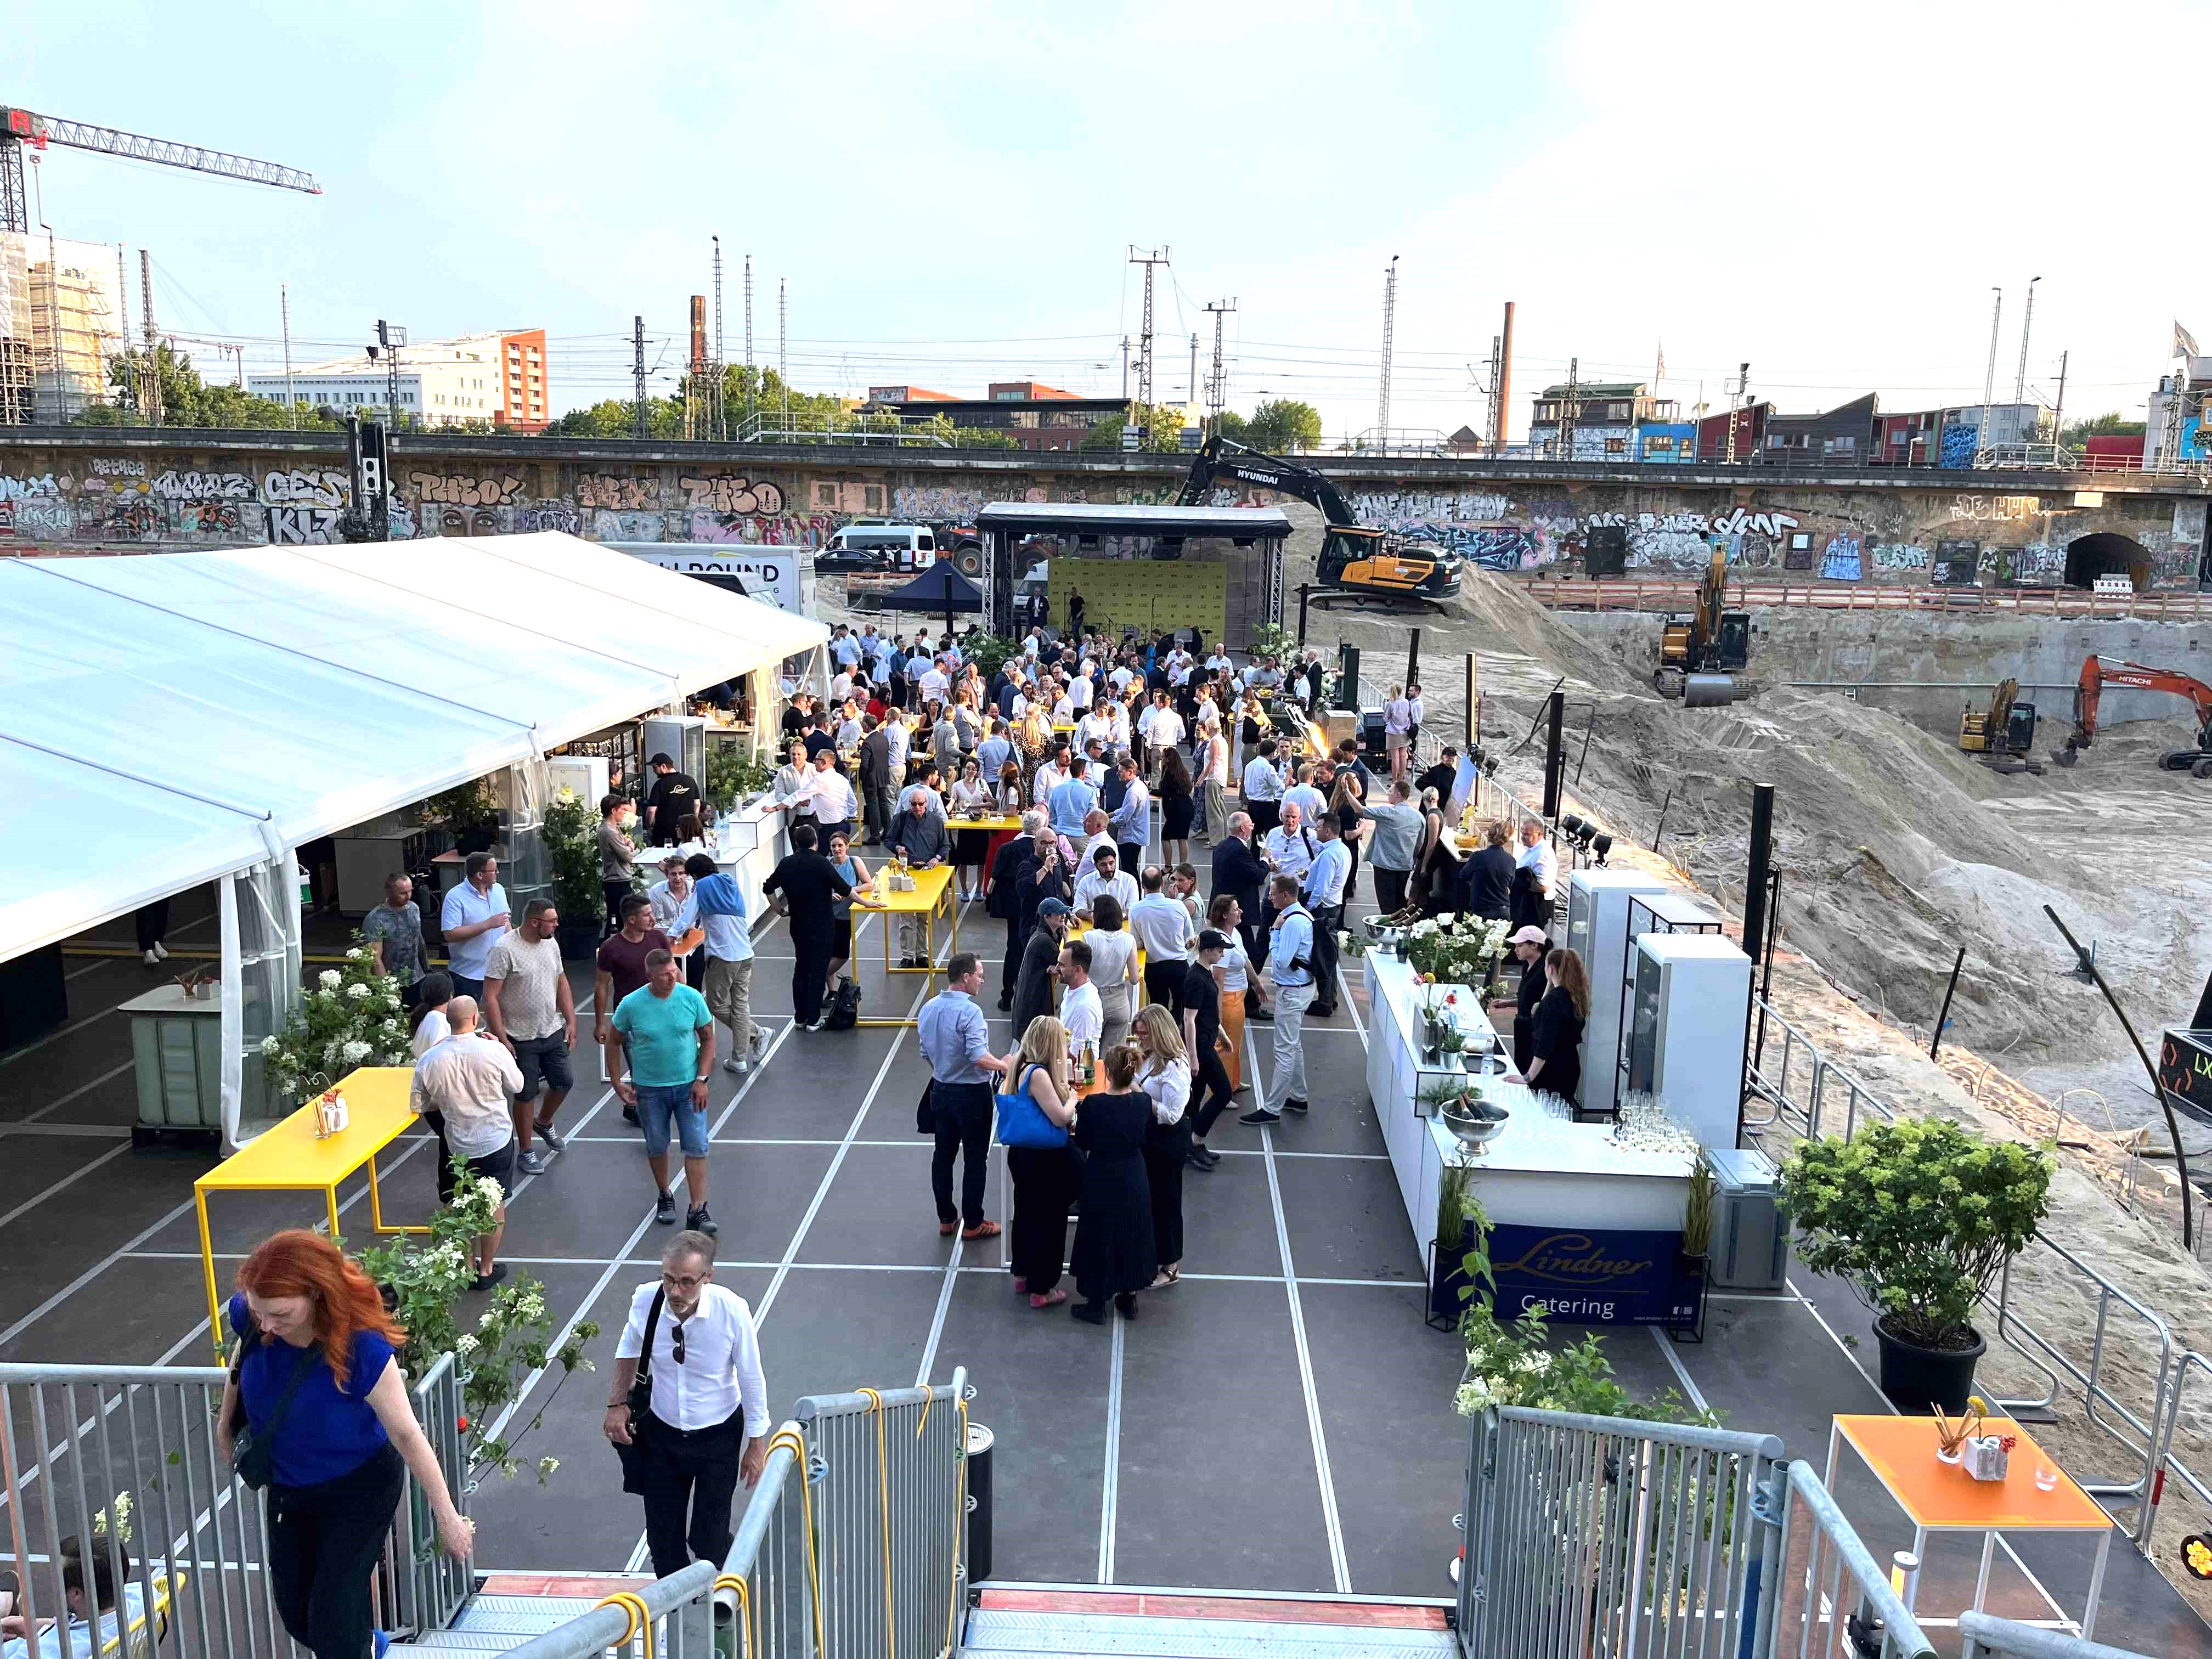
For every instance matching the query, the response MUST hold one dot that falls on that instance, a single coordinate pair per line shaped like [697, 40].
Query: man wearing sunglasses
[707, 1390]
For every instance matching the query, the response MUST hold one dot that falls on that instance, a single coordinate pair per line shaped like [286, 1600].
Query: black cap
[660, 760]
[1212, 939]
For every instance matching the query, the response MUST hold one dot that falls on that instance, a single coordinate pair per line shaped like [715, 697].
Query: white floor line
[90, 968]
[1109, 1503]
[1339, 1567]
[64, 1131]
[92, 1273]
[15, 1055]
[936, 1319]
[1681, 1372]
[107, 1075]
[66, 1182]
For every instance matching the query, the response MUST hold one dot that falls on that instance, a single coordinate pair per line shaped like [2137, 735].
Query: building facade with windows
[1843, 435]
[499, 379]
[1602, 420]
[1034, 415]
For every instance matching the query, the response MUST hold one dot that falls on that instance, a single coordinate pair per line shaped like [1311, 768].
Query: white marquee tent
[168, 718]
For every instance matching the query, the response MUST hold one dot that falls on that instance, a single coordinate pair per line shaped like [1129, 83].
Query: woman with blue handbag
[1033, 1118]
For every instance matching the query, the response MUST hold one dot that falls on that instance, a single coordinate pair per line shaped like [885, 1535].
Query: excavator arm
[1220, 457]
[2098, 673]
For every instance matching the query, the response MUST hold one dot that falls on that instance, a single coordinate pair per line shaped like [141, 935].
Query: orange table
[1943, 1498]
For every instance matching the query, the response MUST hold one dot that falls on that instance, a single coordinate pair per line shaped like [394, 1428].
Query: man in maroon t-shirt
[622, 970]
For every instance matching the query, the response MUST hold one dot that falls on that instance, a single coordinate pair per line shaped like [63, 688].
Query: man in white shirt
[1050, 775]
[1080, 1010]
[1312, 803]
[1096, 723]
[841, 686]
[708, 1425]
[1161, 928]
[473, 916]
[1105, 875]
[936, 684]
[896, 737]
[1263, 787]
[844, 647]
[1163, 730]
[1532, 890]
[1324, 897]
[824, 792]
[1290, 847]
[463, 1085]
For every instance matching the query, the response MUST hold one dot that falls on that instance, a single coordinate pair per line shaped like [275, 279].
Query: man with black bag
[687, 1386]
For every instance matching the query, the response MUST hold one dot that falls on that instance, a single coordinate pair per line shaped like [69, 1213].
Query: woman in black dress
[1344, 803]
[1114, 1254]
[1555, 1066]
[1045, 1177]
[1177, 808]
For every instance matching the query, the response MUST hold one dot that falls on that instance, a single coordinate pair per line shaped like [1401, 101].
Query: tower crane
[19, 127]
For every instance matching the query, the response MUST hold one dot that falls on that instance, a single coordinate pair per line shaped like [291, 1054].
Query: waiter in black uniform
[1530, 946]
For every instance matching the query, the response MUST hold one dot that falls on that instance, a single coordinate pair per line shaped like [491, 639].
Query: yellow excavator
[2003, 733]
[1701, 654]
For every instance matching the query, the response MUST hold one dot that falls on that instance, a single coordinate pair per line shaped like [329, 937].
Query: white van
[863, 549]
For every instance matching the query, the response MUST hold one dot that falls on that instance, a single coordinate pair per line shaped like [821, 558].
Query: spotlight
[1490, 765]
[1601, 845]
[1572, 823]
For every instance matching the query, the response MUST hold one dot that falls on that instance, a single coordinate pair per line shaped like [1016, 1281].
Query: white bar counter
[1543, 1170]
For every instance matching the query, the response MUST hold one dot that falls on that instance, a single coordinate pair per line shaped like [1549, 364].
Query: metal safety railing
[122, 1460]
[1987, 1636]
[852, 1542]
[1810, 1095]
[1602, 1536]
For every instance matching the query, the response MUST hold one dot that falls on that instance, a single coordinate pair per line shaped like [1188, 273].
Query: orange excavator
[2098, 673]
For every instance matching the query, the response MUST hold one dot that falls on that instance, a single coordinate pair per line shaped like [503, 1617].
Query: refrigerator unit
[1597, 931]
[682, 739]
[1687, 1017]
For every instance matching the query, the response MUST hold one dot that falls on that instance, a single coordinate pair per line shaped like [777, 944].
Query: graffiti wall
[79, 498]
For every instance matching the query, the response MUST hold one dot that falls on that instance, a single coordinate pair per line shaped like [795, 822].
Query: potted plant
[1688, 1323]
[572, 852]
[467, 813]
[1920, 1216]
[1460, 1260]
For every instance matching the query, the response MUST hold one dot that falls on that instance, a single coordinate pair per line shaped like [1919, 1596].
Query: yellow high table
[290, 1157]
[932, 889]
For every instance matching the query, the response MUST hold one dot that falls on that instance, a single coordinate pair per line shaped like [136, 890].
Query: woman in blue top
[314, 1328]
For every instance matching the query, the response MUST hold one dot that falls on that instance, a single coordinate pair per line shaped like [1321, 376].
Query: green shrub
[1920, 1215]
[572, 853]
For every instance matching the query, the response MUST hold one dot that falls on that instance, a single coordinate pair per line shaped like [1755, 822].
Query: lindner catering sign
[1589, 1277]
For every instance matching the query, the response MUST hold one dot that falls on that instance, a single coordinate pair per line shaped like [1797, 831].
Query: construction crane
[2098, 673]
[19, 127]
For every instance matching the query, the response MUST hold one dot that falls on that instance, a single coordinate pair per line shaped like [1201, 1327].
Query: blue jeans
[658, 1105]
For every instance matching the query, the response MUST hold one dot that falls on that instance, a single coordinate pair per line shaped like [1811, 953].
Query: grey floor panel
[1229, 1220]
[1210, 1376]
[879, 1209]
[1347, 1219]
[830, 1331]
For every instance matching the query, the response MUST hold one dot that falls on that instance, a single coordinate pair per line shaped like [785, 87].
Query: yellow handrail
[735, 1583]
[633, 1606]
[883, 1505]
[792, 1439]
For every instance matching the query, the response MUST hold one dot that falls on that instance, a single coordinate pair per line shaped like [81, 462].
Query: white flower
[356, 990]
[328, 979]
[270, 1045]
[465, 1345]
[355, 1052]
[547, 1465]
[487, 1320]
[357, 954]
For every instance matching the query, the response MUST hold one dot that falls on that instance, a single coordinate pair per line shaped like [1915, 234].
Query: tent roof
[166, 718]
[940, 588]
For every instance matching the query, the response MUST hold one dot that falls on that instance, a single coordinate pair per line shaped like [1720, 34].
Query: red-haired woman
[316, 1380]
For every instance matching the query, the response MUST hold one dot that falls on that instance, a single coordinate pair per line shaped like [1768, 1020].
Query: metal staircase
[1004, 1634]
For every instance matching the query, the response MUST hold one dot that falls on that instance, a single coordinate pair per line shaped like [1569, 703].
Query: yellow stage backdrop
[1148, 593]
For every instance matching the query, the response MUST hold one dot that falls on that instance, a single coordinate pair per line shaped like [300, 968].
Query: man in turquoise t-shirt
[672, 1053]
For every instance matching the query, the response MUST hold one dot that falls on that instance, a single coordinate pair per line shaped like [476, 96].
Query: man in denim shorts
[670, 1035]
[528, 1006]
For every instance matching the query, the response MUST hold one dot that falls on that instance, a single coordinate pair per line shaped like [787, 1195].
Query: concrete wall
[1970, 655]
[83, 486]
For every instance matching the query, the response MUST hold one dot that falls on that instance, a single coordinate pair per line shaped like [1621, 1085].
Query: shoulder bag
[254, 1452]
[1022, 1122]
[641, 1404]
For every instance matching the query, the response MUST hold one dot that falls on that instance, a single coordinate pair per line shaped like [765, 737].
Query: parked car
[878, 550]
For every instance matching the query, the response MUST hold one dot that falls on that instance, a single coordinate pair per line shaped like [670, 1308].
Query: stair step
[466, 1641]
[528, 1616]
[1008, 1634]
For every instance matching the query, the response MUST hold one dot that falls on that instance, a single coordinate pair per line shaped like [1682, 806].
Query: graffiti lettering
[464, 491]
[24, 489]
[1996, 507]
[120, 518]
[1406, 510]
[308, 486]
[762, 530]
[1840, 562]
[211, 519]
[546, 515]
[737, 495]
[204, 487]
[117, 466]
[43, 518]
[303, 527]
[618, 492]
[1899, 556]
[402, 519]
[611, 526]
[1670, 549]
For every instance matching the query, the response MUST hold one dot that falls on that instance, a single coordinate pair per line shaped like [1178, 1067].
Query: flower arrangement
[496, 1358]
[1440, 1032]
[1455, 949]
[349, 1019]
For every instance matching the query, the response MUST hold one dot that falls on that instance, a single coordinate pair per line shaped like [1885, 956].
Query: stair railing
[1988, 1637]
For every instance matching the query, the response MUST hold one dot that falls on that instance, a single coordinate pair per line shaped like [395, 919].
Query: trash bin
[1751, 1245]
[979, 1502]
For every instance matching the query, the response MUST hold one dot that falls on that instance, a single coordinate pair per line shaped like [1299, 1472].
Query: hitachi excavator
[1700, 653]
[2098, 673]
[1355, 558]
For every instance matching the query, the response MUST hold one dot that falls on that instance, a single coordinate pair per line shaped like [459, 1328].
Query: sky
[949, 193]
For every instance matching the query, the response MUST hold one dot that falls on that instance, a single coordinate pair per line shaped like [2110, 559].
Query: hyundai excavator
[1700, 653]
[2098, 673]
[1355, 558]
